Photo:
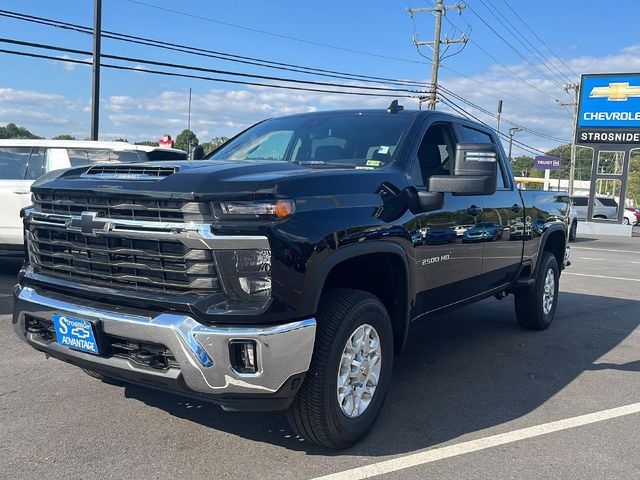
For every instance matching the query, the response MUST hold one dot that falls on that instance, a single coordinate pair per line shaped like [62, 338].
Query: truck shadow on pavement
[461, 372]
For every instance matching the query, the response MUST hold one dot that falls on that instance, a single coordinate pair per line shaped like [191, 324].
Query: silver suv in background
[23, 161]
[604, 208]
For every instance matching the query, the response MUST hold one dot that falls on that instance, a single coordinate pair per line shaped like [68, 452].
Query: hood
[214, 179]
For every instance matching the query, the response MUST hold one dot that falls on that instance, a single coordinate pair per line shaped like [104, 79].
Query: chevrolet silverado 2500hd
[284, 272]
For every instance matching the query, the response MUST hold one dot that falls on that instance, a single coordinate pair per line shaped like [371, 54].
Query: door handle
[22, 192]
[516, 208]
[474, 211]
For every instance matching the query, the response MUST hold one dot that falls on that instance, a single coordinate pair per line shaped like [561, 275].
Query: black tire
[315, 413]
[625, 221]
[530, 312]
[573, 232]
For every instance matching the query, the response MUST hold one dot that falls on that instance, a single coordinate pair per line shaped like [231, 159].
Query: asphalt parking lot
[472, 397]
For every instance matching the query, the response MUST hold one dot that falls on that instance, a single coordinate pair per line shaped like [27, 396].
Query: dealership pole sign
[609, 109]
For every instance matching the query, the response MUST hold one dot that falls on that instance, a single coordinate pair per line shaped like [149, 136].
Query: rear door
[19, 167]
[503, 226]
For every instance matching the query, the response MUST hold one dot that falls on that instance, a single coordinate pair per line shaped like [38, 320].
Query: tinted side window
[36, 165]
[98, 156]
[608, 202]
[434, 155]
[579, 201]
[13, 162]
[471, 135]
[162, 155]
[82, 157]
[126, 157]
[77, 158]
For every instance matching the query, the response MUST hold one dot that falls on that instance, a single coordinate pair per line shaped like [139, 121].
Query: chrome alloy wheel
[549, 292]
[359, 371]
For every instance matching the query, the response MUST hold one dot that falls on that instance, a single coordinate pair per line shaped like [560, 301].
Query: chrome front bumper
[202, 352]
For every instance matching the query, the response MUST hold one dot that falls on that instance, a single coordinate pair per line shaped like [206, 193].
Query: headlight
[246, 274]
[255, 210]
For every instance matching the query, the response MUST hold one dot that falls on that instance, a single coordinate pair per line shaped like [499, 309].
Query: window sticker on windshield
[364, 168]
[383, 150]
[373, 163]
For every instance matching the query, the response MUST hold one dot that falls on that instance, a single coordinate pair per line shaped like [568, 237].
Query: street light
[512, 132]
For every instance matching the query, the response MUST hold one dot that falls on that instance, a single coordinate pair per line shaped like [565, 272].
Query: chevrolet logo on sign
[616, 92]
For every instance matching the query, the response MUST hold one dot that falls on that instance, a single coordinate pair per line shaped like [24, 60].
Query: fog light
[243, 356]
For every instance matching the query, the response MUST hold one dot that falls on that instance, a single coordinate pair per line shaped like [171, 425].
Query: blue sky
[51, 97]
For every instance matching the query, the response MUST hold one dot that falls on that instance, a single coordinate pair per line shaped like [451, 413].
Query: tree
[149, 143]
[63, 137]
[213, 144]
[185, 139]
[13, 131]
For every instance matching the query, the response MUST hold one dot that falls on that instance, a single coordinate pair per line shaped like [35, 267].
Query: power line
[517, 52]
[200, 69]
[538, 37]
[199, 77]
[510, 122]
[208, 53]
[510, 27]
[460, 110]
[273, 34]
[502, 92]
[522, 79]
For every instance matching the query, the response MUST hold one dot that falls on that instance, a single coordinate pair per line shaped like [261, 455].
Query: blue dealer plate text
[75, 333]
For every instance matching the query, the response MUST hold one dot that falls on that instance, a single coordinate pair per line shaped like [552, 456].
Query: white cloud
[219, 111]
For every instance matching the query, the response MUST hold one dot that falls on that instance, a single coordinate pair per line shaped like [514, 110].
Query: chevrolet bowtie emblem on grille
[88, 224]
[615, 92]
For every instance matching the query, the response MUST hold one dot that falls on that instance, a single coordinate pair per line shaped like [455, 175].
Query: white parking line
[602, 276]
[416, 459]
[605, 250]
[591, 258]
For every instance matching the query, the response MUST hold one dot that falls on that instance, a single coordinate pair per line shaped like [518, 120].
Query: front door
[448, 263]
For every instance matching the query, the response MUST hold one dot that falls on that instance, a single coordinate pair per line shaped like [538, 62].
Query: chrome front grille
[121, 207]
[153, 265]
[109, 242]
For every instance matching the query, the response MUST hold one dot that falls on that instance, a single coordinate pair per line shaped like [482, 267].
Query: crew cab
[23, 161]
[285, 271]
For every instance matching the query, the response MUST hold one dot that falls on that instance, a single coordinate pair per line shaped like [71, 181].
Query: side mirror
[475, 171]
[197, 153]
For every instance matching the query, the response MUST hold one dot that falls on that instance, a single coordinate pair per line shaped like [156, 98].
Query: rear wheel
[625, 221]
[347, 381]
[536, 306]
[573, 231]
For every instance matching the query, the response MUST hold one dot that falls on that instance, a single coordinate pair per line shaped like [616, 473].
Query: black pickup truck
[284, 271]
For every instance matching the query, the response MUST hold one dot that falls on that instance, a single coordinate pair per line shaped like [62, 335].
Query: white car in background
[23, 161]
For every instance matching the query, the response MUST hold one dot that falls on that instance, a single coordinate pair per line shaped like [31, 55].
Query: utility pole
[189, 120]
[512, 132]
[95, 90]
[572, 166]
[499, 115]
[439, 10]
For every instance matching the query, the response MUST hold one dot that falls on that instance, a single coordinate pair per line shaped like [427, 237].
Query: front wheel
[536, 306]
[347, 381]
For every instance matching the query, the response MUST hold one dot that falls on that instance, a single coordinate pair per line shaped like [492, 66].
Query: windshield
[346, 141]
